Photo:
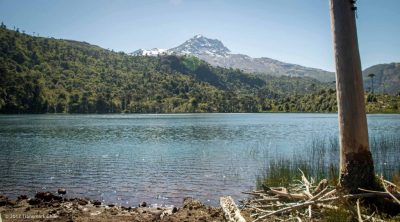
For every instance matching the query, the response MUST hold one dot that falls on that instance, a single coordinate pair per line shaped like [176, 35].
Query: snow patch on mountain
[198, 45]
[149, 52]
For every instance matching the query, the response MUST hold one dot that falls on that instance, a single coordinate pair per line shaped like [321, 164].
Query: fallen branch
[390, 183]
[359, 211]
[321, 186]
[321, 194]
[232, 212]
[303, 199]
[308, 203]
[387, 191]
[330, 193]
[285, 193]
[307, 184]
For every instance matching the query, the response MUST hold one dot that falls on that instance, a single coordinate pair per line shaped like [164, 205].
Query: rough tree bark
[356, 165]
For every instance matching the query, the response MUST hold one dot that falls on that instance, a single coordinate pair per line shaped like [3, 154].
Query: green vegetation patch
[47, 75]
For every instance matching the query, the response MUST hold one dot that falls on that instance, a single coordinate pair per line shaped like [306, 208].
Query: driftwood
[315, 202]
[232, 212]
[302, 199]
[322, 185]
[388, 192]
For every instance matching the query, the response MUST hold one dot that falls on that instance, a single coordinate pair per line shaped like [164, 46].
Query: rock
[48, 197]
[3, 203]
[12, 203]
[166, 213]
[56, 204]
[45, 196]
[114, 211]
[111, 205]
[95, 213]
[40, 195]
[62, 213]
[216, 214]
[174, 210]
[96, 203]
[191, 203]
[3, 200]
[62, 191]
[22, 197]
[156, 214]
[143, 204]
[58, 198]
[203, 218]
[34, 201]
[82, 202]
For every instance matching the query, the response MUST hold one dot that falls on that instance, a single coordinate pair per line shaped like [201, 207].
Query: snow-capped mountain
[150, 52]
[216, 53]
[200, 45]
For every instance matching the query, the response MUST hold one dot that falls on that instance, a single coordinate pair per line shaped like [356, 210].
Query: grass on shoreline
[321, 161]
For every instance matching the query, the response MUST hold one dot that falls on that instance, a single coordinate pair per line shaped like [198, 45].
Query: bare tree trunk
[356, 165]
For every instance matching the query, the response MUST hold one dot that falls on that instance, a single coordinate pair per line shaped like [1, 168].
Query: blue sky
[295, 31]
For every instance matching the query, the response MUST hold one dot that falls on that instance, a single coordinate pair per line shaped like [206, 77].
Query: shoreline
[47, 206]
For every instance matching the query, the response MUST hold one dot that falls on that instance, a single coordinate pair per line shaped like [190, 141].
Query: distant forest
[47, 75]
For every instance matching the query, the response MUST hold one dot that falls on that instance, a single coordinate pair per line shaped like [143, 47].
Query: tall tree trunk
[356, 165]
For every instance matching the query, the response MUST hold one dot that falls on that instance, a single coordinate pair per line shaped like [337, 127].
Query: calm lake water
[160, 159]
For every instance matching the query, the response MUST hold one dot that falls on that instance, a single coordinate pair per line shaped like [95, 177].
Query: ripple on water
[159, 159]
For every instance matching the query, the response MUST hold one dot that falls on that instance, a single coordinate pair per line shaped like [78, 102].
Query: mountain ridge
[47, 75]
[214, 52]
[199, 45]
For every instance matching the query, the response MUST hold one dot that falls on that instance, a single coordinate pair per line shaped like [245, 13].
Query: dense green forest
[47, 75]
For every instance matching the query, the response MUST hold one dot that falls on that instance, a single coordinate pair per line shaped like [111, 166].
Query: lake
[158, 158]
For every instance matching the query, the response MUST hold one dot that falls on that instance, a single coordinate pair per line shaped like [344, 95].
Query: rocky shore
[47, 206]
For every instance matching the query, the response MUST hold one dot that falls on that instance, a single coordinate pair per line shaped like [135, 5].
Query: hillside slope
[386, 79]
[46, 75]
[40, 75]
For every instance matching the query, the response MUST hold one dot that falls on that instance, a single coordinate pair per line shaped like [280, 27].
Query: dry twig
[387, 191]
[359, 211]
[279, 200]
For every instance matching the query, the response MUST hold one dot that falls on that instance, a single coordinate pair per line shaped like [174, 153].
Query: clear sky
[295, 31]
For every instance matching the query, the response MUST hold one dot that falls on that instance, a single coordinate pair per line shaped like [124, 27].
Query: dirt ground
[46, 206]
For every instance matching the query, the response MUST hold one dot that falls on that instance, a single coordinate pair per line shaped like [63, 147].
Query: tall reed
[320, 159]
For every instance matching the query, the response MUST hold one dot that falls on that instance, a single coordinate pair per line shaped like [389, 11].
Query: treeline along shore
[47, 75]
